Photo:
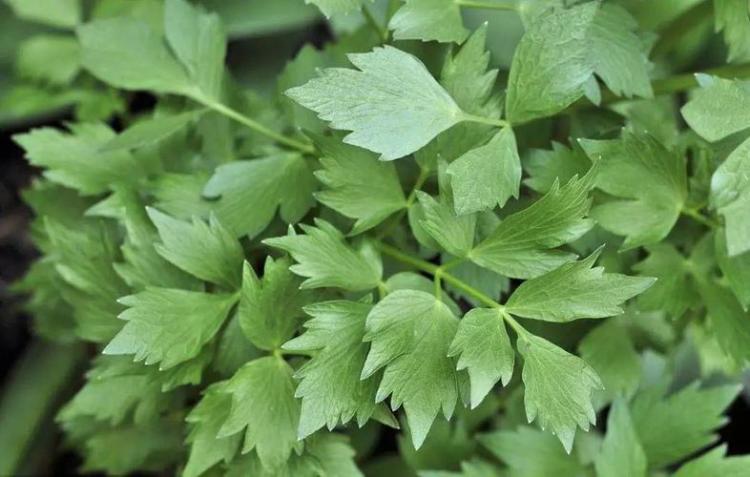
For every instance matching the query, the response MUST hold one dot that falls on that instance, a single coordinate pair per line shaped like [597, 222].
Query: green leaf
[74, 160]
[197, 39]
[55, 13]
[673, 427]
[250, 192]
[336, 7]
[454, 234]
[729, 323]
[730, 195]
[168, 326]
[484, 350]
[150, 131]
[410, 333]
[551, 64]
[561, 163]
[609, 349]
[736, 270]
[486, 176]
[49, 58]
[128, 54]
[271, 308]
[673, 291]
[392, 104]
[558, 388]
[574, 291]
[207, 251]
[715, 462]
[717, 109]
[621, 454]
[205, 420]
[530, 452]
[520, 245]
[730, 17]
[263, 405]
[429, 20]
[357, 185]
[330, 386]
[327, 260]
[649, 178]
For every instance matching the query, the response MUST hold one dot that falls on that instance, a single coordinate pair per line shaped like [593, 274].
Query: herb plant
[525, 260]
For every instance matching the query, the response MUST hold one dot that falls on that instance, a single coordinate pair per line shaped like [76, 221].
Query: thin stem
[256, 126]
[438, 284]
[489, 5]
[382, 32]
[520, 330]
[700, 218]
[501, 123]
[382, 289]
[423, 175]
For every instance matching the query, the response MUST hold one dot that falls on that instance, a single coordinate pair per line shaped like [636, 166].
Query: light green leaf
[205, 420]
[731, 17]
[205, 250]
[561, 163]
[609, 349]
[672, 427]
[250, 192]
[263, 405]
[410, 333]
[169, 326]
[128, 54]
[736, 270]
[574, 291]
[718, 109]
[49, 58]
[357, 184]
[55, 13]
[271, 308]
[331, 389]
[650, 178]
[327, 260]
[150, 131]
[729, 323]
[530, 452]
[673, 291]
[429, 20]
[520, 245]
[197, 39]
[484, 350]
[392, 104]
[714, 462]
[621, 454]
[558, 388]
[454, 234]
[730, 195]
[336, 7]
[486, 176]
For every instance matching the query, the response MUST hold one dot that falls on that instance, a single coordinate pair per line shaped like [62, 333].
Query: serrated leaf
[730, 195]
[649, 178]
[410, 333]
[454, 234]
[609, 349]
[331, 389]
[357, 185]
[484, 350]
[207, 251]
[714, 462]
[731, 18]
[729, 323]
[150, 131]
[271, 308]
[392, 104]
[520, 246]
[263, 405]
[326, 260]
[717, 109]
[558, 388]
[486, 176]
[561, 164]
[429, 20]
[574, 291]
[168, 326]
[673, 291]
[736, 270]
[250, 192]
[621, 454]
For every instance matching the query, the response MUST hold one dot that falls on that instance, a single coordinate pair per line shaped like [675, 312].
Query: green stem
[488, 5]
[700, 218]
[382, 32]
[256, 126]
[501, 123]
[674, 32]
[423, 175]
[520, 330]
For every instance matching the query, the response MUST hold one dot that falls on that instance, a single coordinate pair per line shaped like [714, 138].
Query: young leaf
[207, 251]
[452, 233]
[574, 291]
[263, 405]
[520, 245]
[410, 333]
[730, 195]
[392, 104]
[621, 454]
[330, 387]
[484, 350]
[429, 20]
[271, 307]
[169, 326]
[717, 109]
[327, 260]
[357, 184]
[486, 176]
[650, 178]
[558, 388]
[249, 192]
